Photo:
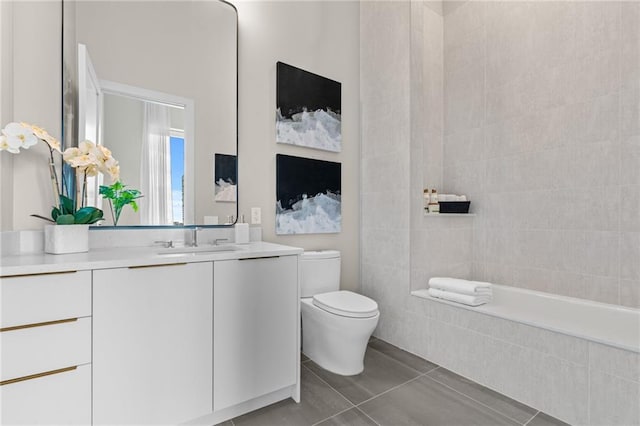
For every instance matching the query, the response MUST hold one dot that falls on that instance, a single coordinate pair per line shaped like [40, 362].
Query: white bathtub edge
[494, 310]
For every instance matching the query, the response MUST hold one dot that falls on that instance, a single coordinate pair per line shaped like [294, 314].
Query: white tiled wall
[541, 130]
[539, 125]
[385, 159]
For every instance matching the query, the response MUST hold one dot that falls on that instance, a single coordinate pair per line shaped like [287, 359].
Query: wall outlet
[256, 215]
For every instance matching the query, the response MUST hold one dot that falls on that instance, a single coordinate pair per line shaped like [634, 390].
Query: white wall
[322, 37]
[319, 36]
[122, 126]
[31, 70]
[6, 112]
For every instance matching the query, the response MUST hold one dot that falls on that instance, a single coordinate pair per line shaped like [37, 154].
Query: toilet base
[336, 343]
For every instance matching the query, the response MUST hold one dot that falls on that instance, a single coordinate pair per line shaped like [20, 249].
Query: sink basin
[194, 251]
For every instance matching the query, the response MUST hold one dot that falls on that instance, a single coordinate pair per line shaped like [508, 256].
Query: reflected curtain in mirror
[155, 167]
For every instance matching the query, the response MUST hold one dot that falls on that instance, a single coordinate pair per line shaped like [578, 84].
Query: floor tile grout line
[336, 414]
[366, 415]
[402, 363]
[330, 387]
[476, 401]
[533, 417]
[389, 390]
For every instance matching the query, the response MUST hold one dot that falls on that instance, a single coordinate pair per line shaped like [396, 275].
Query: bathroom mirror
[156, 83]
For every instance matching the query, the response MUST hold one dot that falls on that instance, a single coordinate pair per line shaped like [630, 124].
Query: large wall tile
[560, 119]
[630, 114]
[602, 289]
[630, 293]
[602, 253]
[630, 67]
[630, 255]
[463, 21]
[465, 146]
[614, 401]
[597, 26]
[614, 361]
[630, 158]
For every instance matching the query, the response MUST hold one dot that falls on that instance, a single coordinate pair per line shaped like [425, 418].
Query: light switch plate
[256, 215]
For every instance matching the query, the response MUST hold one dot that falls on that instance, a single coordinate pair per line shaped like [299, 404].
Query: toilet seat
[346, 304]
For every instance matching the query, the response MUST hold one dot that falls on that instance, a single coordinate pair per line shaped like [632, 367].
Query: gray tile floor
[396, 388]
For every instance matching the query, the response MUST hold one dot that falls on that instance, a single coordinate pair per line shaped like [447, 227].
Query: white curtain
[155, 171]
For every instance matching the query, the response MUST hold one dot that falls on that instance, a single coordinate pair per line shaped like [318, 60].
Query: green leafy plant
[118, 197]
[66, 214]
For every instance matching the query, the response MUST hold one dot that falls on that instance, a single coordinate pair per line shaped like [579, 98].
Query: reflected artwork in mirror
[156, 83]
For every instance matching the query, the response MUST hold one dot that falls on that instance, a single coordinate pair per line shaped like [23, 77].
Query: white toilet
[336, 325]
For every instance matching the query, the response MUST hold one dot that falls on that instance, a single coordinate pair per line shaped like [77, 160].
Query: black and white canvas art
[308, 196]
[225, 177]
[308, 109]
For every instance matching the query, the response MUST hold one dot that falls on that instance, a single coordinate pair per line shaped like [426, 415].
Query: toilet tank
[320, 272]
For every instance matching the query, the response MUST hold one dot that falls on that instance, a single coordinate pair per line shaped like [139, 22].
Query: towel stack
[472, 293]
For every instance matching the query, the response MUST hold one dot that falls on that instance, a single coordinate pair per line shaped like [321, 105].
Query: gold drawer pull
[157, 266]
[37, 274]
[39, 324]
[36, 376]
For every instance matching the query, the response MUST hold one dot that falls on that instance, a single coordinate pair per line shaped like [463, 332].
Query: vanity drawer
[62, 398]
[34, 350]
[32, 299]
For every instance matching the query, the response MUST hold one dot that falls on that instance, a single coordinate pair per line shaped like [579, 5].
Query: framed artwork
[308, 109]
[308, 196]
[225, 178]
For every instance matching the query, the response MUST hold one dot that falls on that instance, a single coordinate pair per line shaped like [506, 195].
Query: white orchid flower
[112, 168]
[18, 136]
[40, 133]
[92, 159]
[102, 153]
[4, 145]
[81, 161]
[91, 170]
[86, 146]
[70, 153]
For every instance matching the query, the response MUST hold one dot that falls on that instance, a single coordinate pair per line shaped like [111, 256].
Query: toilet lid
[346, 303]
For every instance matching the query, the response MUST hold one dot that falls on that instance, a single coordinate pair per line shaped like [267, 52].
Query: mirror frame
[68, 176]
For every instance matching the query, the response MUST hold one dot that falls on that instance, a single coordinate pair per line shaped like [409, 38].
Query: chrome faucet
[194, 236]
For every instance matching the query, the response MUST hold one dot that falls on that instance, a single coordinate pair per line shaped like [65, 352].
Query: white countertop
[115, 257]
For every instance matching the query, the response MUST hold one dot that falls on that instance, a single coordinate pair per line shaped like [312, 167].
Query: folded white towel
[456, 285]
[465, 299]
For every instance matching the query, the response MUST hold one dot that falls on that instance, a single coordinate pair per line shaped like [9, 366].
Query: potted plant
[88, 159]
[118, 197]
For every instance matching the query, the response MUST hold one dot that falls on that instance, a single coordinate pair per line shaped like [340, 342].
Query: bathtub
[611, 325]
[574, 359]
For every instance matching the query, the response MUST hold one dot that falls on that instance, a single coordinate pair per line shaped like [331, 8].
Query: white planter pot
[62, 239]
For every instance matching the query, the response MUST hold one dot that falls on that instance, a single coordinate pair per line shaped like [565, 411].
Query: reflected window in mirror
[149, 135]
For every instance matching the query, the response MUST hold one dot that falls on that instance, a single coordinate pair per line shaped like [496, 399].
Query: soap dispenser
[242, 231]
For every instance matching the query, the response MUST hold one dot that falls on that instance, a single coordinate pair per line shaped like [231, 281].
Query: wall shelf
[449, 214]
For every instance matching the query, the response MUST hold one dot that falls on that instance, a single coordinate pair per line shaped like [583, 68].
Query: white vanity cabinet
[152, 343]
[132, 337]
[256, 320]
[45, 346]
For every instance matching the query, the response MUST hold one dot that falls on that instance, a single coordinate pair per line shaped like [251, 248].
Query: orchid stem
[54, 183]
[84, 188]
